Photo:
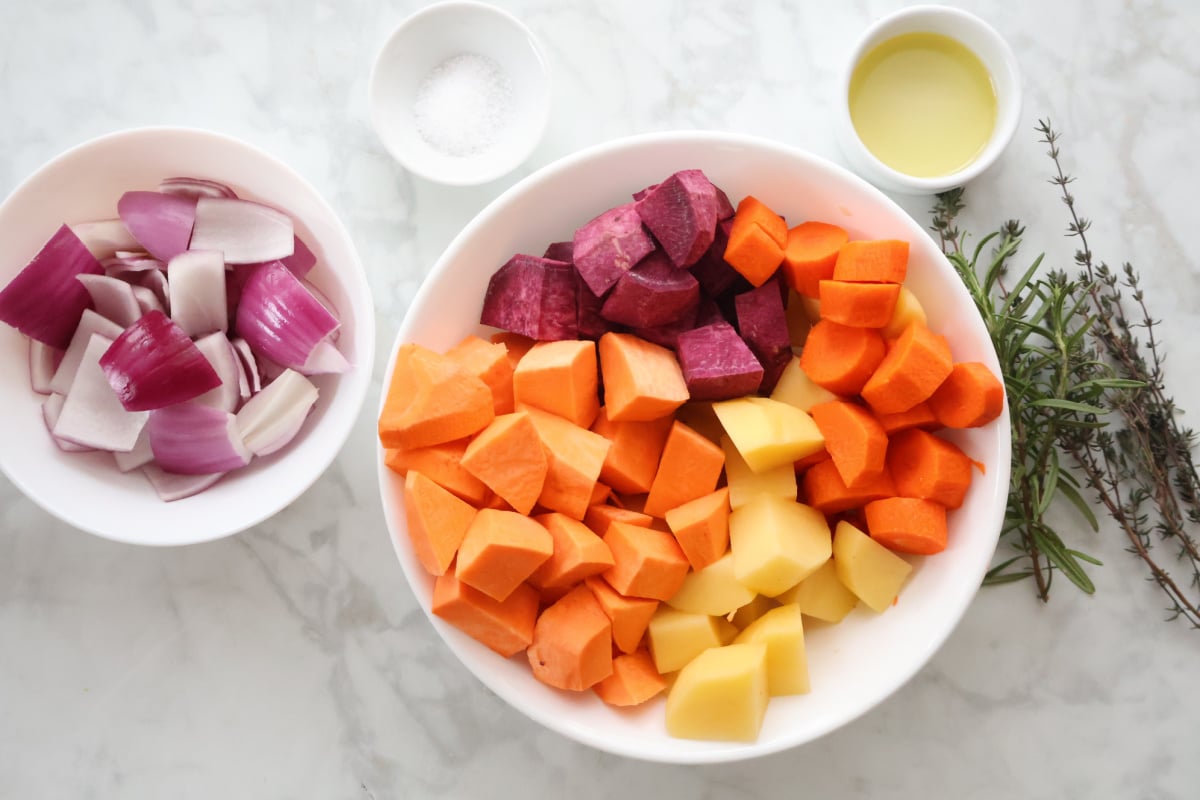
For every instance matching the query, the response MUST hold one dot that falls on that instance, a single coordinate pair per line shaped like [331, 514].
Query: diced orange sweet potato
[437, 522]
[572, 643]
[634, 680]
[506, 627]
[575, 456]
[600, 494]
[489, 362]
[915, 365]
[516, 345]
[432, 399]
[560, 377]
[599, 517]
[500, 550]
[642, 381]
[636, 449]
[647, 563]
[630, 616]
[701, 527]
[756, 241]
[823, 489]
[442, 464]
[854, 438]
[577, 553]
[690, 467]
[508, 457]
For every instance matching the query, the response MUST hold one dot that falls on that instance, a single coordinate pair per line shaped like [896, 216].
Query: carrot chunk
[572, 643]
[577, 553]
[929, 467]
[756, 241]
[907, 524]
[437, 522]
[642, 381]
[442, 464]
[647, 563]
[811, 251]
[560, 377]
[489, 362]
[874, 261]
[634, 680]
[505, 627]
[859, 305]
[919, 416]
[630, 616]
[701, 527]
[500, 550]
[636, 449]
[432, 399]
[508, 457]
[841, 358]
[854, 438]
[915, 365]
[970, 396]
[823, 489]
[690, 468]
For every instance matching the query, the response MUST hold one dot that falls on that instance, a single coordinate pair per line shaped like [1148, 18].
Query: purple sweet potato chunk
[725, 209]
[651, 294]
[609, 246]
[667, 335]
[638, 195]
[763, 326]
[713, 272]
[682, 213]
[717, 364]
[534, 297]
[589, 322]
[560, 251]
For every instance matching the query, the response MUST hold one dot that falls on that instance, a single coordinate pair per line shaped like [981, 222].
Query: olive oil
[923, 104]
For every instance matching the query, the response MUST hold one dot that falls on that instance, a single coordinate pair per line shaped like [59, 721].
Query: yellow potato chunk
[676, 637]
[867, 568]
[753, 610]
[797, 389]
[782, 631]
[714, 590]
[822, 595]
[798, 323]
[768, 433]
[908, 310]
[745, 483]
[777, 543]
[721, 695]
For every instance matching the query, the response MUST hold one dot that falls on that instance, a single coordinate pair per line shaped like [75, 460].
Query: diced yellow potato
[699, 416]
[745, 483]
[798, 322]
[714, 590]
[782, 631]
[721, 695]
[822, 595]
[867, 568]
[812, 307]
[777, 543]
[676, 637]
[908, 309]
[768, 433]
[753, 610]
[726, 630]
[797, 389]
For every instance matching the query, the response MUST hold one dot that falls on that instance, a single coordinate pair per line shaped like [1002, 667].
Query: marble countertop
[293, 661]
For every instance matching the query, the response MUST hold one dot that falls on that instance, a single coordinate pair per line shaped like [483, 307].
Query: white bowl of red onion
[186, 336]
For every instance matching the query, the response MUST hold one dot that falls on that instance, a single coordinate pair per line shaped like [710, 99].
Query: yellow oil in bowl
[923, 104]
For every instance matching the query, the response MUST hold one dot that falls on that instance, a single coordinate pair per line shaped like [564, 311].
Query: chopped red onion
[272, 418]
[52, 408]
[192, 439]
[281, 319]
[89, 324]
[196, 280]
[219, 352]
[300, 262]
[44, 301]
[147, 300]
[139, 456]
[129, 268]
[112, 298]
[92, 414]
[154, 364]
[156, 282]
[249, 369]
[172, 487]
[161, 223]
[243, 231]
[104, 237]
[195, 187]
[43, 363]
[325, 359]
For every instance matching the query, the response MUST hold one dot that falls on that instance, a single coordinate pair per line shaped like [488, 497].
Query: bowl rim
[723, 752]
[356, 381]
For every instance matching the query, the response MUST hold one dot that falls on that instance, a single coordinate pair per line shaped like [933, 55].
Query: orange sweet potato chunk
[505, 627]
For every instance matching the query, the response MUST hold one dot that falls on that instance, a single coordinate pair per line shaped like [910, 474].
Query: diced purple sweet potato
[725, 209]
[762, 324]
[609, 246]
[717, 364]
[589, 322]
[682, 213]
[560, 251]
[638, 195]
[651, 294]
[668, 335]
[714, 273]
[535, 297]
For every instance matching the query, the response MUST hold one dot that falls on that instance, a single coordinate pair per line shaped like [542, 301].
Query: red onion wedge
[219, 352]
[92, 415]
[89, 324]
[325, 359]
[196, 280]
[43, 363]
[273, 417]
[300, 262]
[139, 456]
[244, 231]
[154, 364]
[104, 237]
[249, 367]
[282, 320]
[112, 298]
[195, 187]
[192, 439]
[44, 301]
[156, 281]
[52, 408]
[172, 487]
[147, 300]
[161, 223]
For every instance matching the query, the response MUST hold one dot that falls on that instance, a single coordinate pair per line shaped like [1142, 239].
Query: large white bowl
[853, 665]
[86, 489]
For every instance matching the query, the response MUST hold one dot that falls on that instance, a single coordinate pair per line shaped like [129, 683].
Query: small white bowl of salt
[459, 93]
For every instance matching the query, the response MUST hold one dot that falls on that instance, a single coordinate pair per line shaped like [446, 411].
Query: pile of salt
[463, 104]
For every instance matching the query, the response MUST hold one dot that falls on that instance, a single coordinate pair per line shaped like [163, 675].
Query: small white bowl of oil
[930, 98]
[459, 93]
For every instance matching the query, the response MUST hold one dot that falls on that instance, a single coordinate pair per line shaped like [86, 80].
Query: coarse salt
[463, 104]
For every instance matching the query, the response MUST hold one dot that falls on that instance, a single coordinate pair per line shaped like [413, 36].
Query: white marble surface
[292, 661]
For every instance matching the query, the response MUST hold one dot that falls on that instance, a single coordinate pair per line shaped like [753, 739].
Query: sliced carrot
[636, 449]
[442, 464]
[811, 251]
[599, 517]
[506, 627]
[970, 396]
[756, 241]
[874, 261]
[575, 457]
[560, 377]
[915, 365]
[642, 381]
[701, 527]
[690, 468]
[859, 305]
[634, 680]
[629, 615]
[840, 358]
[823, 489]
[432, 399]
[572, 643]
[489, 362]
[929, 467]
[647, 563]
[577, 553]
[500, 550]
[437, 522]
[508, 457]
[907, 524]
[854, 438]
[919, 416]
